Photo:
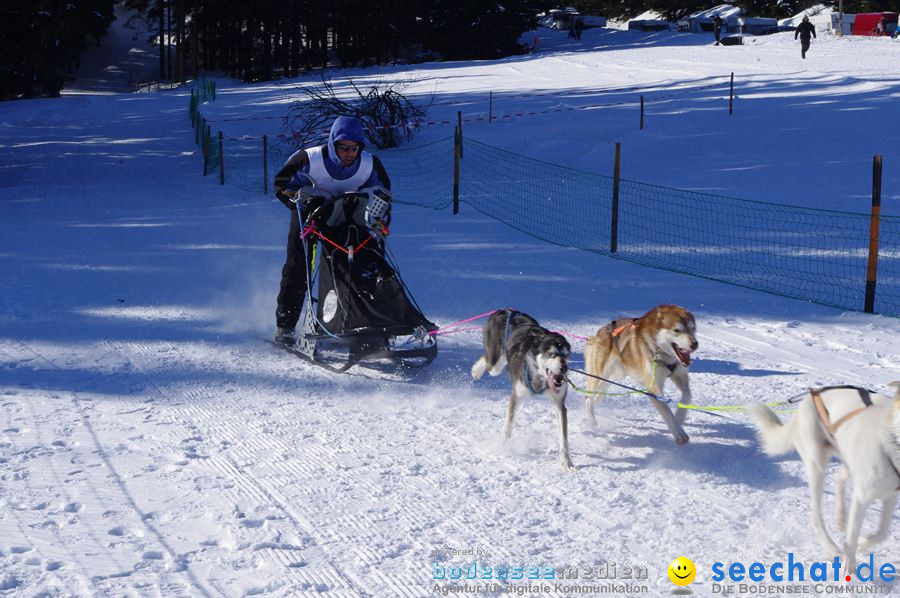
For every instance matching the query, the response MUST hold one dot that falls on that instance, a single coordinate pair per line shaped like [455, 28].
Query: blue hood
[345, 128]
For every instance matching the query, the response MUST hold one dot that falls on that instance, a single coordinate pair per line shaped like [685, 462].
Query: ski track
[273, 484]
[260, 509]
[126, 528]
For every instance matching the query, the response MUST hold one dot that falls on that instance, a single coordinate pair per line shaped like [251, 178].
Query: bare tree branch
[388, 116]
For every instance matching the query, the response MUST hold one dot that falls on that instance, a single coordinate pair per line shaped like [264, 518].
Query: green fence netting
[805, 253]
[818, 255]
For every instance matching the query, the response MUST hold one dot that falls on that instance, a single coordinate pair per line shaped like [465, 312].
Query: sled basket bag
[358, 294]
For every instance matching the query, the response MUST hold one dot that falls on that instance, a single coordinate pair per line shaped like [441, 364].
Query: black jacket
[804, 30]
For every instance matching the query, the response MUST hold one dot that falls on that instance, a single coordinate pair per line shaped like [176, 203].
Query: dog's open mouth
[683, 356]
[556, 381]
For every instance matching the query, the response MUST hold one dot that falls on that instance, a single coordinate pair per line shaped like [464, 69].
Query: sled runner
[357, 306]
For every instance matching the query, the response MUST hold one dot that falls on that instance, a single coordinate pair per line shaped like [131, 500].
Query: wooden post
[204, 142]
[459, 127]
[614, 224]
[221, 162]
[456, 156]
[642, 113]
[872, 269]
[266, 164]
[491, 107]
[193, 108]
[162, 41]
[731, 97]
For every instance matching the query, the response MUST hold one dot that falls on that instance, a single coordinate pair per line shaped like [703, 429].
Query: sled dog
[649, 350]
[538, 361]
[863, 430]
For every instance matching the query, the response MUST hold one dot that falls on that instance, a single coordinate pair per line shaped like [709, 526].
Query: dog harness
[509, 316]
[617, 327]
[825, 417]
[831, 428]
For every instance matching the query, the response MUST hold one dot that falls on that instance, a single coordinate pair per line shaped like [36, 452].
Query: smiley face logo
[682, 571]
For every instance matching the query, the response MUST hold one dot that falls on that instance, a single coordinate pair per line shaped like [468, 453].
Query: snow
[152, 444]
[726, 11]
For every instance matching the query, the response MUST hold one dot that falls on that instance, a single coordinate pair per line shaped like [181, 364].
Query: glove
[304, 195]
[378, 208]
[292, 198]
[286, 198]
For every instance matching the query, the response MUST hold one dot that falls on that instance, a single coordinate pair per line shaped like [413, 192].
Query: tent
[702, 22]
[866, 22]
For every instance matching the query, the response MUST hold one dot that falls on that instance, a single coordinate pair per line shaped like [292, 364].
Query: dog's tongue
[683, 356]
[555, 380]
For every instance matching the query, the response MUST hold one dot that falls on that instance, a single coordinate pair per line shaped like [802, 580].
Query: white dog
[863, 430]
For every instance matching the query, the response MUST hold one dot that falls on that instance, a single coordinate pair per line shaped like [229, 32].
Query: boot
[285, 336]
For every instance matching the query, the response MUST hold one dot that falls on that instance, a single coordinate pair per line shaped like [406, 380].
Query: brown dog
[649, 349]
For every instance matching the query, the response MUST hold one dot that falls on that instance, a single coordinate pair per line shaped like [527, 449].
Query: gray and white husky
[538, 362]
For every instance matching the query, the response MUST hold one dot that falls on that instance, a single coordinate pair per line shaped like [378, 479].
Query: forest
[261, 40]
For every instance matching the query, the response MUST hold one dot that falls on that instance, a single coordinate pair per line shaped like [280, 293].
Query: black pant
[293, 275]
[804, 47]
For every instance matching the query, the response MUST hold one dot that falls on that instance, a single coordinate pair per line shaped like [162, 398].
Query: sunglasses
[346, 148]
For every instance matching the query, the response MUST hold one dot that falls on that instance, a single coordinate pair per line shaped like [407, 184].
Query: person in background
[717, 28]
[804, 31]
[579, 27]
[308, 178]
[879, 28]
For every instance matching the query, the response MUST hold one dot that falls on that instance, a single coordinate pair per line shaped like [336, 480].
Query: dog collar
[528, 377]
[669, 366]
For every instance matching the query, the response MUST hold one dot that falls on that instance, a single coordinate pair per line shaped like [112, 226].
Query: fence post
[491, 107]
[731, 97]
[459, 124]
[266, 164]
[642, 113]
[197, 130]
[221, 161]
[456, 156]
[872, 269]
[205, 140]
[193, 108]
[614, 224]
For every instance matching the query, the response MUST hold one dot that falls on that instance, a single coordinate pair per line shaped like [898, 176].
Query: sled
[357, 307]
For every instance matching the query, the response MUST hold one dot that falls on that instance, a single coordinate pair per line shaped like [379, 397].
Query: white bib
[330, 185]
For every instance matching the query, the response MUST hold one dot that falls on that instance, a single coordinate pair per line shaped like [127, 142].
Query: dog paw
[681, 438]
[567, 466]
[478, 368]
